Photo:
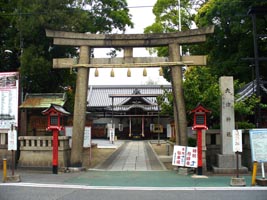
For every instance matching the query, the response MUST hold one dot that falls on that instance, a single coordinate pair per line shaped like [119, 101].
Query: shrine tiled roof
[251, 88]
[99, 96]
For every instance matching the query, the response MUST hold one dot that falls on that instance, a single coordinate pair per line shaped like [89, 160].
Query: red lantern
[55, 115]
[200, 123]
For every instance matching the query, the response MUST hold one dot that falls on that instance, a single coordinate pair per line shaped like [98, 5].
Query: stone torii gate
[127, 42]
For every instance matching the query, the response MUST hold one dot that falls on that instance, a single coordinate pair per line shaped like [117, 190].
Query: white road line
[85, 187]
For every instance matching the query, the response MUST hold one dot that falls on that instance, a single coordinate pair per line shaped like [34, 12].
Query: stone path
[133, 156]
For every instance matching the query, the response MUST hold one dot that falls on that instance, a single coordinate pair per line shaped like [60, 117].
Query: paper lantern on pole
[112, 74]
[160, 71]
[96, 72]
[129, 73]
[144, 72]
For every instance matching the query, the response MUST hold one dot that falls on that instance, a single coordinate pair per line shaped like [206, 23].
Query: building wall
[100, 127]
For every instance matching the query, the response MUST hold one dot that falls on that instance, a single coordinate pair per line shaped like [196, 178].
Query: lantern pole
[55, 151]
[200, 124]
[199, 153]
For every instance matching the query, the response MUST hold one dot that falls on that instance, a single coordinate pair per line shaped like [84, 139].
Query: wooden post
[79, 116]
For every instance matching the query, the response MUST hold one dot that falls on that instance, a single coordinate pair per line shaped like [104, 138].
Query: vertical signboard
[112, 134]
[87, 137]
[9, 96]
[12, 140]
[237, 140]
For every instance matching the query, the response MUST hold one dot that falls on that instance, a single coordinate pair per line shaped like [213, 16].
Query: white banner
[12, 140]
[237, 140]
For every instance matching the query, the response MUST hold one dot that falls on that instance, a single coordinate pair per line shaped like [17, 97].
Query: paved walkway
[133, 156]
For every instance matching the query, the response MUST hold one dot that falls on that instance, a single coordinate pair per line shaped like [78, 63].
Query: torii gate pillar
[80, 108]
[179, 104]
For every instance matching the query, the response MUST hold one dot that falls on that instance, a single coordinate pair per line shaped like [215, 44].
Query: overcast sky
[141, 17]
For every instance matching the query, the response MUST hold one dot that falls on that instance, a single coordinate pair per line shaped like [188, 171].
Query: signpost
[112, 135]
[237, 149]
[12, 144]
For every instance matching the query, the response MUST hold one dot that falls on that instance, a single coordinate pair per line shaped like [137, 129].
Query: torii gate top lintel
[129, 40]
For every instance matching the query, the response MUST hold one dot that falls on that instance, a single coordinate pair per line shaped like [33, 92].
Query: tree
[9, 48]
[201, 87]
[26, 21]
[232, 40]
[167, 20]
[166, 12]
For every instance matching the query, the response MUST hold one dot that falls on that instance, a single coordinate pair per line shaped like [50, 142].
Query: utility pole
[253, 11]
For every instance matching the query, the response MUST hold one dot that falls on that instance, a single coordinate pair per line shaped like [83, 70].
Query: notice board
[9, 99]
[258, 142]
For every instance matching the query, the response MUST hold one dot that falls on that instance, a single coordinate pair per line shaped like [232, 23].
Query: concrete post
[80, 104]
[176, 72]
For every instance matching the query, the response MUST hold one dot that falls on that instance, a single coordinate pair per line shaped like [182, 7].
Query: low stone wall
[37, 151]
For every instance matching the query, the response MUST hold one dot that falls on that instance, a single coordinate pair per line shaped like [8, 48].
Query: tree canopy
[22, 31]
[227, 48]
[232, 40]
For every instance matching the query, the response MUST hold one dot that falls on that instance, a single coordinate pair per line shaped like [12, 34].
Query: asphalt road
[130, 184]
[77, 192]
